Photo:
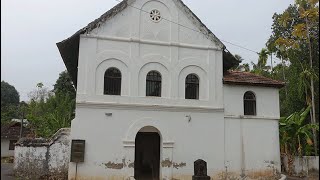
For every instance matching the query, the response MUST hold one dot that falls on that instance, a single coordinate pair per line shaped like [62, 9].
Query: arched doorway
[147, 155]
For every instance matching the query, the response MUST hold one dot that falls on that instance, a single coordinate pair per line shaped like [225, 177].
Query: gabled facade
[151, 98]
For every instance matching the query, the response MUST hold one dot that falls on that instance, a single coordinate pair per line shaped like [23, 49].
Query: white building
[10, 134]
[154, 96]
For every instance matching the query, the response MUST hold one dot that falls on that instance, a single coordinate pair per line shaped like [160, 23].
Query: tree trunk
[284, 76]
[271, 66]
[313, 118]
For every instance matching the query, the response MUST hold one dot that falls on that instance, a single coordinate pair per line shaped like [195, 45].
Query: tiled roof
[250, 79]
[12, 130]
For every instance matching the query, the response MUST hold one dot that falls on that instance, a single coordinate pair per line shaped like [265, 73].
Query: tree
[50, 115]
[49, 111]
[296, 135]
[8, 113]
[261, 67]
[9, 94]
[9, 102]
[302, 20]
[64, 85]
[290, 98]
[241, 67]
[39, 94]
[238, 57]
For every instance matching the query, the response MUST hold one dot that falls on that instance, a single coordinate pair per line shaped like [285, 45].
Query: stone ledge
[38, 142]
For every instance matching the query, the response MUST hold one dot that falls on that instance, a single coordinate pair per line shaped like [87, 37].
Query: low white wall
[110, 140]
[30, 161]
[59, 154]
[252, 146]
[302, 165]
[252, 142]
[5, 152]
[41, 158]
[110, 143]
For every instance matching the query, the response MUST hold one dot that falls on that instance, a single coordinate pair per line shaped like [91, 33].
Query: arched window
[192, 87]
[112, 82]
[153, 86]
[249, 102]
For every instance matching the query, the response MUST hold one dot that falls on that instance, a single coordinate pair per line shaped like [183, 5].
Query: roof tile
[12, 130]
[246, 78]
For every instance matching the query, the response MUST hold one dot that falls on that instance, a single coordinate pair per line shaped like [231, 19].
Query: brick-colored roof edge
[12, 130]
[250, 79]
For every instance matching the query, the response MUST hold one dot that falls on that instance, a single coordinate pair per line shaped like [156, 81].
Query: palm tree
[246, 67]
[261, 66]
[241, 67]
[307, 76]
[263, 57]
[238, 57]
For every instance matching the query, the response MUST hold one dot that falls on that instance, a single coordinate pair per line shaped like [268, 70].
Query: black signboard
[77, 151]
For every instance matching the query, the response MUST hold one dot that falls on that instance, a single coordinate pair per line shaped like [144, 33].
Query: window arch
[153, 84]
[192, 87]
[112, 82]
[249, 102]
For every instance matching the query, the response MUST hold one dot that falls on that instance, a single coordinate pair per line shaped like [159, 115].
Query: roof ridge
[248, 78]
[123, 5]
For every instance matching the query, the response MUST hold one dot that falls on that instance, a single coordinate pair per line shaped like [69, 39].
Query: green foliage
[50, 115]
[289, 42]
[9, 94]
[291, 98]
[9, 112]
[64, 85]
[263, 57]
[238, 57]
[241, 66]
[9, 102]
[261, 67]
[300, 21]
[39, 94]
[296, 133]
[49, 111]
[294, 39]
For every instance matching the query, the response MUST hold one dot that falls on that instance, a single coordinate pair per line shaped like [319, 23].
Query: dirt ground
[6, 171]
[312, 176]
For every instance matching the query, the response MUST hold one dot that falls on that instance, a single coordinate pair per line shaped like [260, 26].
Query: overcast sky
[30, 30]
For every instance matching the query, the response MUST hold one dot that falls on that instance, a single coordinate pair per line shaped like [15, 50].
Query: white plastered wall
[111, 140]
[5, 152]
[252, 142]
[135, 45]
[135, 50]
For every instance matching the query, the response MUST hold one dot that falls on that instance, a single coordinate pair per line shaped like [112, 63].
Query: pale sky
[30, 30]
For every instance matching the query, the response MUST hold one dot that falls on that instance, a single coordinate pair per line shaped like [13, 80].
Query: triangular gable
[202, 27]
[69, 48]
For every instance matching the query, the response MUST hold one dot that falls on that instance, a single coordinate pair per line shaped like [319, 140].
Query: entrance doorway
[147, 156]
